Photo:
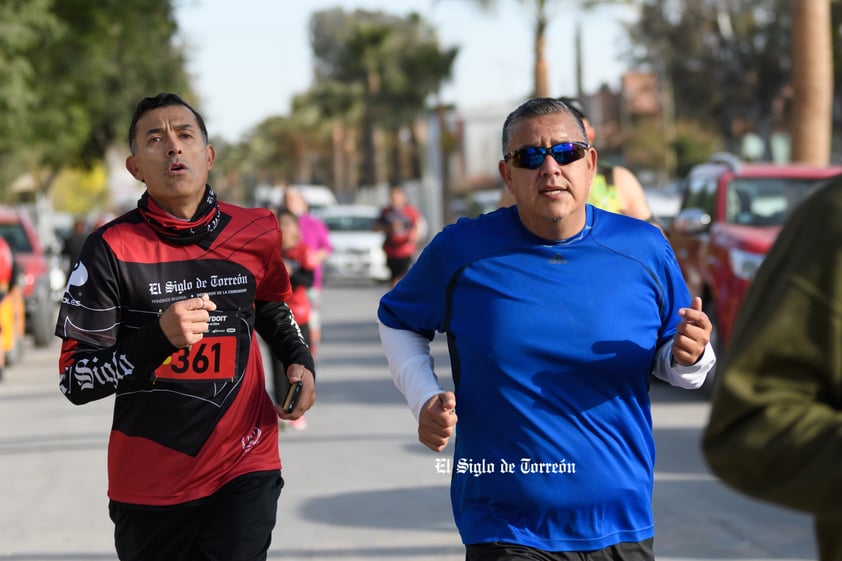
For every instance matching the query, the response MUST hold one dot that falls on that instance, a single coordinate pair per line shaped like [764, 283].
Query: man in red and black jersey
[161, 310]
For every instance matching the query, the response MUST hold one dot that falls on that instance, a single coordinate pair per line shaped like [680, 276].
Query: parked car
[40, 304]
[664, 202]
[272, 196]
[731, 213]
[317, 196]
[357, 248]
[12, 325]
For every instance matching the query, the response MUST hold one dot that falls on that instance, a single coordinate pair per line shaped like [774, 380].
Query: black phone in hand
[291, 398]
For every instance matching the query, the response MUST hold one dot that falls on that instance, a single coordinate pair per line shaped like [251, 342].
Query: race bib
[214, 358]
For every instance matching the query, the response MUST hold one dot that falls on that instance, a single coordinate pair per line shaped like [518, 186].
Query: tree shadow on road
[407, 508]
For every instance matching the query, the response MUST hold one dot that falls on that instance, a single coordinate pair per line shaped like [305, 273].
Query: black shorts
[233, 524]
[398, 266]
[498, 551]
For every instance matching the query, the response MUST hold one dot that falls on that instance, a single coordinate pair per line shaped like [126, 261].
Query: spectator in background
[401, 222]
[775, 426]
[314, 234]
[74, 242]
[614, 188]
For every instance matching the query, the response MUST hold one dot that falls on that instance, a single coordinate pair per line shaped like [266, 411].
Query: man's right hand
[186, 322]
[437, 421]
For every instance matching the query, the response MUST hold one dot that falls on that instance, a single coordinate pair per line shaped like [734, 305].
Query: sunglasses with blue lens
[531, 157]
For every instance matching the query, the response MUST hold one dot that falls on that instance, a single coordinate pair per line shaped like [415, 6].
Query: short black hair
[161, 100]
[575, 105]
[284, 211]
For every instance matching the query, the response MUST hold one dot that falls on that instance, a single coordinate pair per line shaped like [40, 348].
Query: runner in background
[401, 223]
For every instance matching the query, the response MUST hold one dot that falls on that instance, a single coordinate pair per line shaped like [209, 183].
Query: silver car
[357, 247]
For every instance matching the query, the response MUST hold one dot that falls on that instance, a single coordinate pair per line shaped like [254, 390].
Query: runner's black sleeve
[302, 277]
[89, 373]
[275, 323]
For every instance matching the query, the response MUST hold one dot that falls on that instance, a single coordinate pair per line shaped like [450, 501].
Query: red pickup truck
[17, 228]
[730, 215]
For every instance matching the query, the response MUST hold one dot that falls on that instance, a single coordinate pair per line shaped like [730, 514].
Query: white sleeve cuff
[688, 377]
[411, 365]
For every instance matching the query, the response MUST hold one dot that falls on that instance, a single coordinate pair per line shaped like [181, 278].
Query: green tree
[330, 114]
[90, 63]
[79, 191]
[728, 63]
[25, 25]
[392, 64]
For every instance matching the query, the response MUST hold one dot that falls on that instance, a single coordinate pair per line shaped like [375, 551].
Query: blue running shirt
[551, 344]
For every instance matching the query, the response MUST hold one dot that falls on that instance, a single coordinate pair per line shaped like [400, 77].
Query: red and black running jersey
[186, 421]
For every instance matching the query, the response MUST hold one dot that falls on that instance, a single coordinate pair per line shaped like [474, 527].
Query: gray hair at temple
[537, 107]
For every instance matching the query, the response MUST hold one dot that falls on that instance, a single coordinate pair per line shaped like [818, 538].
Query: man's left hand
[306, 398]
[692, 335]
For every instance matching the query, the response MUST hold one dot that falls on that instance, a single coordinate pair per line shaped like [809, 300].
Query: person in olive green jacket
[775, 427]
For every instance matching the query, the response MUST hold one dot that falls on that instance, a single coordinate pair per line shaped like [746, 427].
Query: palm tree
[812, 82]
[541, 17]
[392, 65]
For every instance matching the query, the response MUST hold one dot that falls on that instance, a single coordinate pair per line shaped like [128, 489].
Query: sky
[249, 58]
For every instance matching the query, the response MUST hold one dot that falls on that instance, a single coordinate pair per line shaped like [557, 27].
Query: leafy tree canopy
[724, 59]
[72, 71]
[394, 61]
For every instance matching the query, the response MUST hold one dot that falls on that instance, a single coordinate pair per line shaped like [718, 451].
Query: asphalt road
[358, 484]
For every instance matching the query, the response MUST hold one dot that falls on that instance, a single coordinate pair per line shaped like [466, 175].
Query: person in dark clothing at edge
[161, 310]
[774, 429]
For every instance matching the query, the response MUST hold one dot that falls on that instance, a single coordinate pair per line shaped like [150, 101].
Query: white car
[317, 196]
[664, 203]
[357, 247]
